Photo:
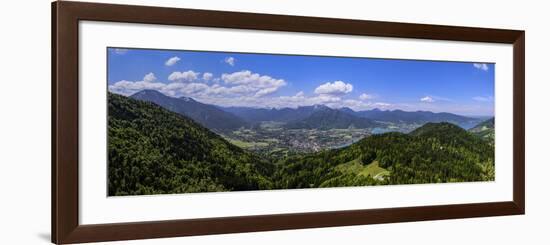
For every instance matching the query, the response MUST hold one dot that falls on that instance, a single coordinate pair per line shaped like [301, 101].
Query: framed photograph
[175, 122]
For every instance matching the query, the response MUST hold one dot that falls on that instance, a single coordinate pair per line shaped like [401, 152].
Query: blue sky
[267, 80]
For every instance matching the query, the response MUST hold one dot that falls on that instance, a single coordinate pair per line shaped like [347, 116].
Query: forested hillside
[434, 153]
[485, 129]
[155, 151]
[209, 116]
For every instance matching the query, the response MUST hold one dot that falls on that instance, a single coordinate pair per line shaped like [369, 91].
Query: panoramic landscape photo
[196, 121]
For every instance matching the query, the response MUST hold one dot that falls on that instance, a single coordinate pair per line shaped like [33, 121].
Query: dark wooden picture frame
[65, 122]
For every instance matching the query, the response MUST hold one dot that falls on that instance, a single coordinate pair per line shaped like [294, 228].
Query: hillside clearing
[356, 167]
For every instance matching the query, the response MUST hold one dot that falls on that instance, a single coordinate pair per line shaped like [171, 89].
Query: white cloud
[172, 61]
[186, 76]
[120, 51]
[128, 87]
[150, 77]
[238, 84]
[427, 99]
[207, 76]
[194, 88]
[265, 91]
[247, 80]
[364, 96]
[243, 88]
[335, 88]
[382, 104]
[299, 99]
[230, 60]
[352, 103]
[483, 98]
[325, 98]
[481, 66]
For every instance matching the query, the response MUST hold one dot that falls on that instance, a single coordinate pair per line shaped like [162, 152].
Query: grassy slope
[373, 169]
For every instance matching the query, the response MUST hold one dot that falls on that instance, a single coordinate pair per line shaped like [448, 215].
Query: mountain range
[416, 117]
[327, 118]
[257, 115]
[219, 118]
[209, 116]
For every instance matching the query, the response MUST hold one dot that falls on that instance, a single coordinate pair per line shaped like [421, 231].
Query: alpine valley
[163, 145]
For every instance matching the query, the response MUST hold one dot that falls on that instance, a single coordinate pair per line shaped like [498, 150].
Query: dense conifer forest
[154, 151]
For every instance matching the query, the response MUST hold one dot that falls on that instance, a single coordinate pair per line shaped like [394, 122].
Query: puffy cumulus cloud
[150, 77]
[172, 61]
[427, 99]
[186, 76]
[365, 96]
[334, 88]
[265, 91]
[194, 88]
[129, 87]
[239, 84]
[230, 61]
[293, 101]
[481, 66]
[262, 84]
[207, 76]
[243, 88]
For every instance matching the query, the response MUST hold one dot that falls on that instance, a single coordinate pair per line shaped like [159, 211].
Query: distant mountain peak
[147, 92]
[347, 110]
[188, 99]
[209, 116]
[320, 106]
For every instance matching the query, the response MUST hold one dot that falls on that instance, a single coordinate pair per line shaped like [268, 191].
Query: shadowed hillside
[155, 151]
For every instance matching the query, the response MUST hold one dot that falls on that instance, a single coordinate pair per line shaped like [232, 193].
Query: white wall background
[25, 121]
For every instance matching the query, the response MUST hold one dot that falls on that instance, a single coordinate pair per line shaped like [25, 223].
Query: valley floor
[278, 142]
[274, 140]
